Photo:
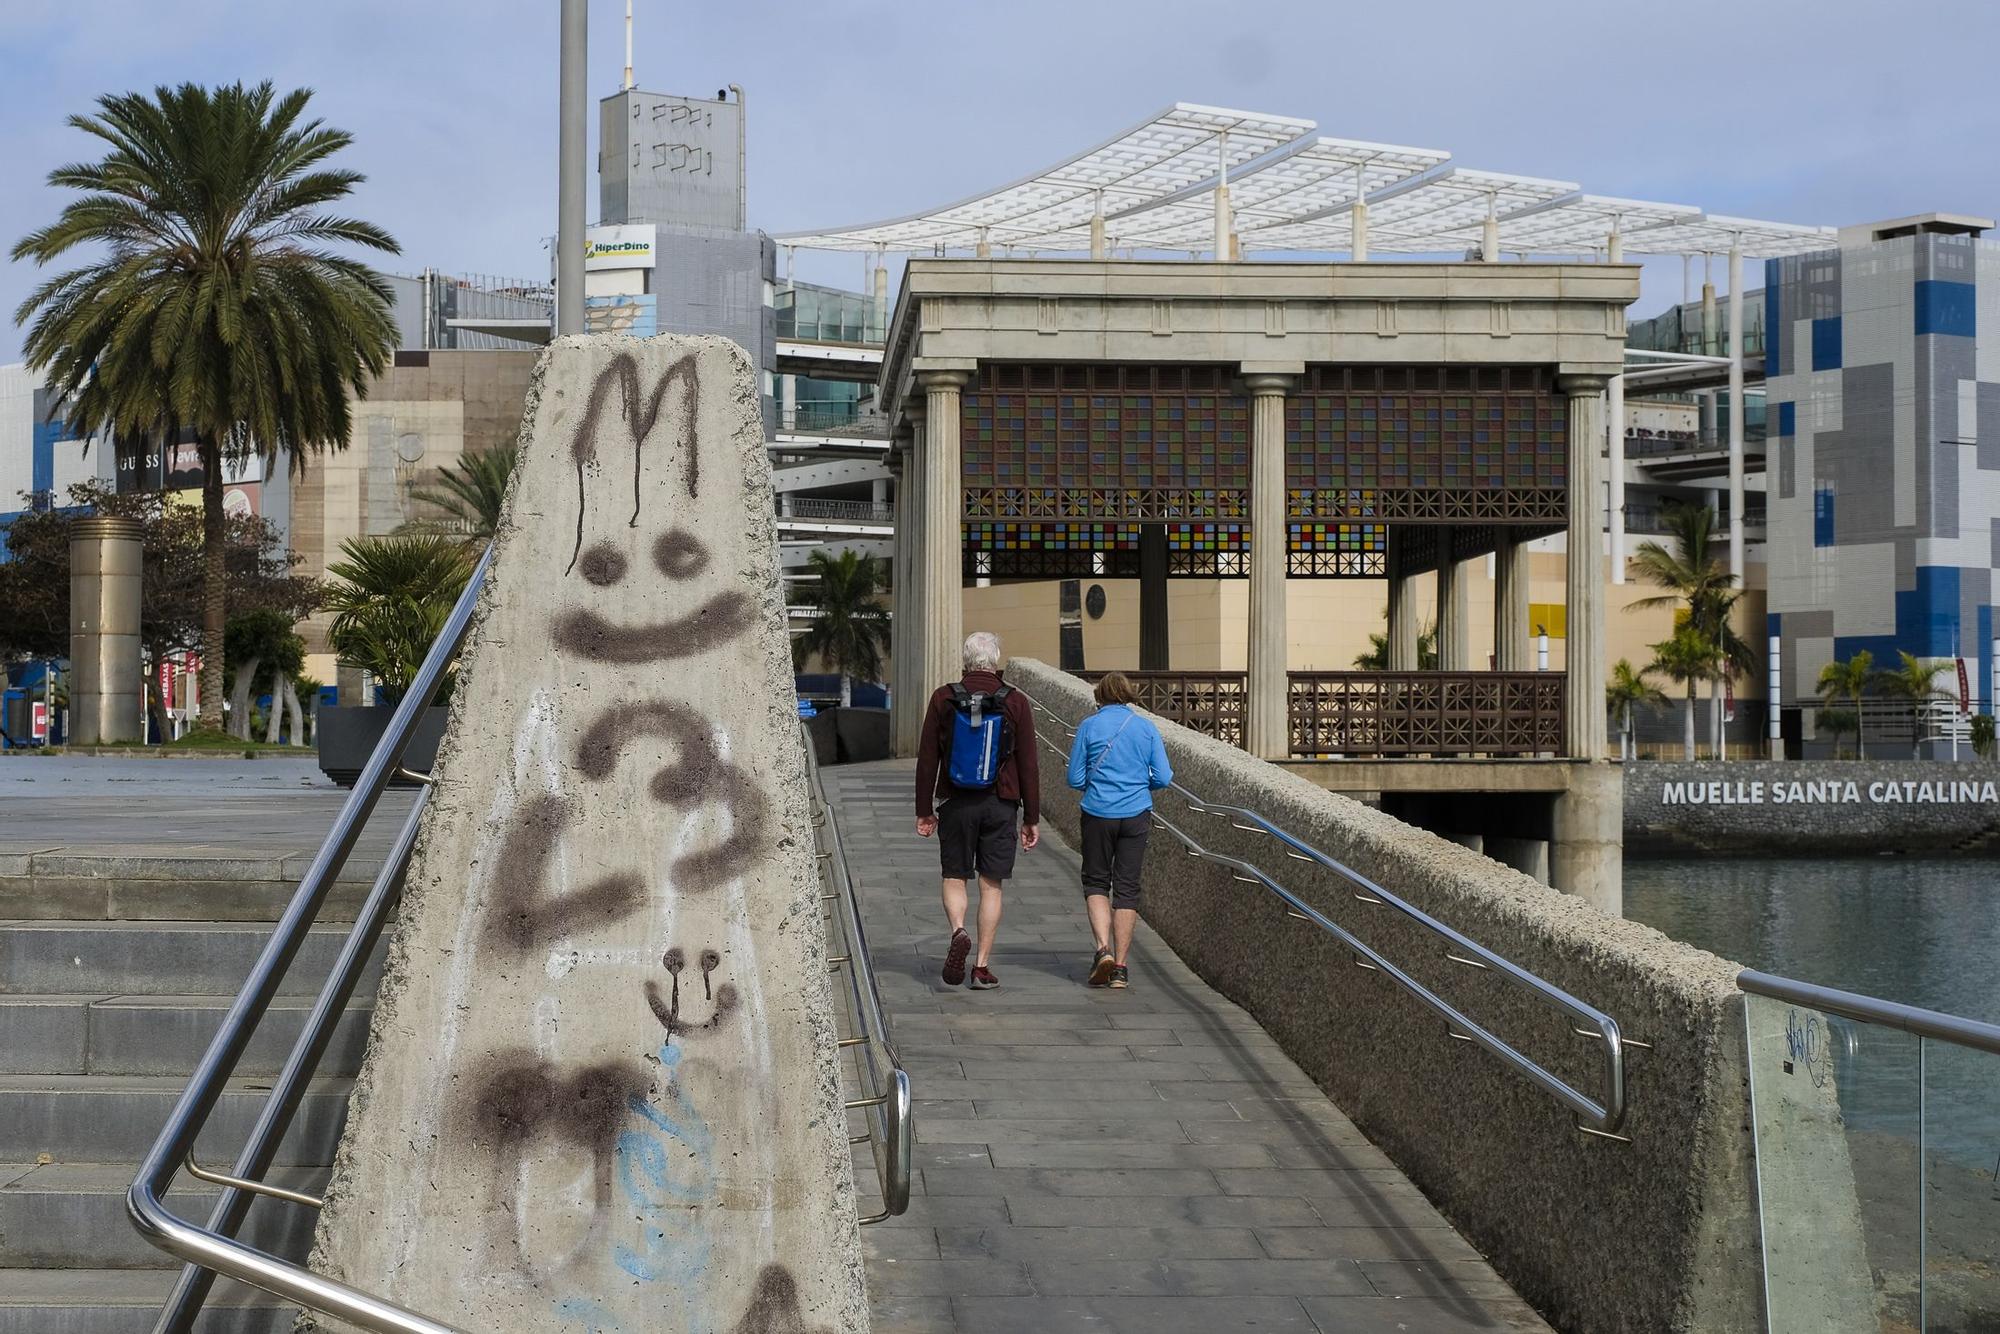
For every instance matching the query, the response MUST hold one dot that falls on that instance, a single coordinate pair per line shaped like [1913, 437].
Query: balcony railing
[852, 511]
[1426, 713]
[1375, 713]
[1210, 703]
[833, 418]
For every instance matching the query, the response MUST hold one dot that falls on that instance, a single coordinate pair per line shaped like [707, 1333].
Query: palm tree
[1914, 680]
[1376, 659]
[470, 492]
[850, 631]
[1626, 688]
[211, 307]
[1846, 681]
[390, 598]
[1689, 658]
[1696, 578]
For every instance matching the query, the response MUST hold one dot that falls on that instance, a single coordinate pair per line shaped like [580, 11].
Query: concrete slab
[601, 1083]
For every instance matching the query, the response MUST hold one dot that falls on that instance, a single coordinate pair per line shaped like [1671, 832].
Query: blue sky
[1830, 112]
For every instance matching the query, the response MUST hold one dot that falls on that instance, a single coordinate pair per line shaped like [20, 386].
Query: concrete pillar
[1268, 732]
[1454, 608]
[107, 699]
[881, 298]
[1614, 428]
[788, 402]
[1402, 610]
[1512, 649]
[915, 666]
[1584, 725]
[878, 491]
[943, 505]
[1358, 216]
[1529, 856]
[904, 692]
[1587, 824]
[1097, 250]
[1154, 637]
[351, 685]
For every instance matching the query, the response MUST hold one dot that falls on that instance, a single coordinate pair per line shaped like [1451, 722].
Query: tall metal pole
[574, 141]
[1736, 409]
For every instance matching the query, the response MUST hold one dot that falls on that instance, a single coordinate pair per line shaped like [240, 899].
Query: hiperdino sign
[1830, 792]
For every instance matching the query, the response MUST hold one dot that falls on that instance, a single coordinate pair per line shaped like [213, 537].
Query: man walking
[976, 771]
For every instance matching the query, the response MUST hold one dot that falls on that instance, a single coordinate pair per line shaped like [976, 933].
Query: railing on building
[857, 511]
[833, 417]
[1426, 713]
[1876, 1163]
[1210, 703]
[1375, 713]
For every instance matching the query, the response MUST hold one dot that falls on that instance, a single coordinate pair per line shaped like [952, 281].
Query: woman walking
[1118, 762]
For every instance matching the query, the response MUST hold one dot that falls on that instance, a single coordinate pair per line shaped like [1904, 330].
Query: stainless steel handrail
[1601, 1115]
[210, 1249]
[1952, 1028]
[886, 1103]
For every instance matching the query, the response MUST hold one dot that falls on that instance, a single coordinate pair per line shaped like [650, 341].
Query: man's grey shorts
[976, 835]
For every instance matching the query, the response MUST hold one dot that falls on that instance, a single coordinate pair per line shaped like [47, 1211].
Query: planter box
[347, 737]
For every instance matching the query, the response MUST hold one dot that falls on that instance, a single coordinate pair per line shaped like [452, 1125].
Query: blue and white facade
[40, 458]
[1883, 422]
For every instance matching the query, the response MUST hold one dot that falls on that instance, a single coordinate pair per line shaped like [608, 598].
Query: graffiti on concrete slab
[774, 1306]
[641, 412]
[722, 999]
[525, 914]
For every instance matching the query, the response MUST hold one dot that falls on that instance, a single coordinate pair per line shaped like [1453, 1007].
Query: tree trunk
[239, 698]
[1860, 746]
[846, 691]
[276, 722]
[298, 714]
[1688, 720]
[215, 573]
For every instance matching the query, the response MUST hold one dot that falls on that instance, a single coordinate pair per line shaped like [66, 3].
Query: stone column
[902, 615]
[1268, 731]
[1584, 728]
[1513, 649]
[1154, 646]
[107, 685]
[944, 509]
[1454, 608]
[1402, 609]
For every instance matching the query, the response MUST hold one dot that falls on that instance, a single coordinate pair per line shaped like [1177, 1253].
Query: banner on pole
[1964, 690]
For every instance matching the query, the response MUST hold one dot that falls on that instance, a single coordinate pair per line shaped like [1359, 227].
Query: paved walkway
[1143, 1161]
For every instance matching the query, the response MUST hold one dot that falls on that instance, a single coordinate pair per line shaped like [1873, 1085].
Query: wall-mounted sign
[1831, 791]
[630, 246]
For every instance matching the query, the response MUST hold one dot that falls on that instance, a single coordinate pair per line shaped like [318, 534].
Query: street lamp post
[574, 141]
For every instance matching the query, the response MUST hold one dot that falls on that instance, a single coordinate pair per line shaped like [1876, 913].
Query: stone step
[113, 886]
[72, 1215]
[155, 958]
[115, 1118]
[125, 1301]
[158, 1035]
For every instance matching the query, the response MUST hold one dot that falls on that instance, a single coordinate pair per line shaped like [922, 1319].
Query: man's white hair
[982, 651]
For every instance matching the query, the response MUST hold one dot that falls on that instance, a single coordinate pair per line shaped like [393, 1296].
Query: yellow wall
[1331, 619]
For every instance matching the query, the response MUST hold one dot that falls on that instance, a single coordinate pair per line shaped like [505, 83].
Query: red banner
[1964, 691]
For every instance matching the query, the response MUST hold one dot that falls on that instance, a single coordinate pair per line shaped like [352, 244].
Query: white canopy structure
[1054, 209]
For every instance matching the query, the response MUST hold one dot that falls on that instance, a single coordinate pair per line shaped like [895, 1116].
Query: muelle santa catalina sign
[1830, 792]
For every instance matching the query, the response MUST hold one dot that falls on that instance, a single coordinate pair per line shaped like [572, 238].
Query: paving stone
[947, 1278]
[1113, 1238]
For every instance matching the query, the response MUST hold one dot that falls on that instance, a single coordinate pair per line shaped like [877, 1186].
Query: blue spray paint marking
[594, 1318]
[663, 1167]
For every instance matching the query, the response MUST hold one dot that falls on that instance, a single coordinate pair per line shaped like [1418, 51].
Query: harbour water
[1921, 930]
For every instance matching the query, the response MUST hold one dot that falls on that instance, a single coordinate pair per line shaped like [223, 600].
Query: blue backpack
[978, 737]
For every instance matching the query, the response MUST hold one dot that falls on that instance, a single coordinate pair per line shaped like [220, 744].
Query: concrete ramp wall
[600, 1092]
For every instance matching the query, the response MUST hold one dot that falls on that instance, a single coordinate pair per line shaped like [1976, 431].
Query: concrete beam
[602, 1074]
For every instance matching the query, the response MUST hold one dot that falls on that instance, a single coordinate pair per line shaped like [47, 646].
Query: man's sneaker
[1118, 981]
[983, 979]
[954, 957]
[1100, 970]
